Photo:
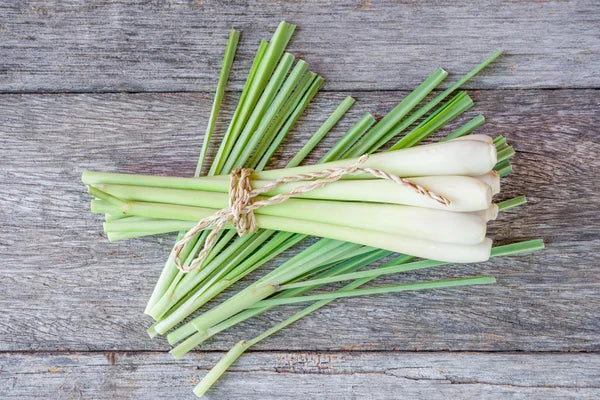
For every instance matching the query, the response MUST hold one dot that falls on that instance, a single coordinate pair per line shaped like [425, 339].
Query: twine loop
[240, 211]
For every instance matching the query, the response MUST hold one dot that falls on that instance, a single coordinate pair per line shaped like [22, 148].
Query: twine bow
[241, 207]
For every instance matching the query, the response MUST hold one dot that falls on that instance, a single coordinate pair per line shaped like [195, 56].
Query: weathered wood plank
[177, 45]
[337, 375]
[66, 288]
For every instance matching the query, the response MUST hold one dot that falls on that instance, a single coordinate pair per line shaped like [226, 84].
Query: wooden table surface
[127, 86]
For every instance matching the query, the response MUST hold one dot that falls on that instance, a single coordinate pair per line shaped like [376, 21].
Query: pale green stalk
[278, 122]
[387, 123]
[333, 119]
[427, 107]
[466, 129]
[505, 171]
[402, 287]
[304, 102]
[265, 112]
[265, 68]
[196, 339]
[169, 270]
[456, 106]
[511, 203]
[234, 37]
[322, 250]
[243, 148]
[351, 264]
[219, 369]
[349, 138]
[266, 99]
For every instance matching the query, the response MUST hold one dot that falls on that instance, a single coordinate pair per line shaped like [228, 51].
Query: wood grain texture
[66, 288]
[177, 45]
[335, 375]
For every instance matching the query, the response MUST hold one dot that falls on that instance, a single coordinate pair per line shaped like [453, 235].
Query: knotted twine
[241, 207]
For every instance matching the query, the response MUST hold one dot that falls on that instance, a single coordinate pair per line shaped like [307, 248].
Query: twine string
[240, 211]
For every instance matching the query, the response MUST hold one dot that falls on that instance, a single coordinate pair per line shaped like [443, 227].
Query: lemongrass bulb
[490, 214]
[492, 179]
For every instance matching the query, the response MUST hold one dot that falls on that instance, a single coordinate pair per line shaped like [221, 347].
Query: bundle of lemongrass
[362, 219]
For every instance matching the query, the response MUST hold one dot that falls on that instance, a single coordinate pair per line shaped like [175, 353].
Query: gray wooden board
[362, 44]
[67, 288]
[307, 375]
[73, 326]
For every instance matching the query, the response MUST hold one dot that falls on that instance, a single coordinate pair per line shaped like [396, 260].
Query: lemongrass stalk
[298, 110]
[116, 236]
[402, 287]
[470, 157]
[459, 104]
[386, 124]
[331, 121]
[511, 203]
[278, 123]
[349, 138]
[370, 237]
[426, 223]
[281, 242]
[223, 78]
[466, 129]
[321, 250]
[201, 297]
[169, 271]
[465, 157]
[191, 279]
[259, 291]
[263, 73]
[402, 125]
[219, 369]
[502, 164]
[465, 193]
[254, 132]
[265, 100]
[215, 373]
[348, 265]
